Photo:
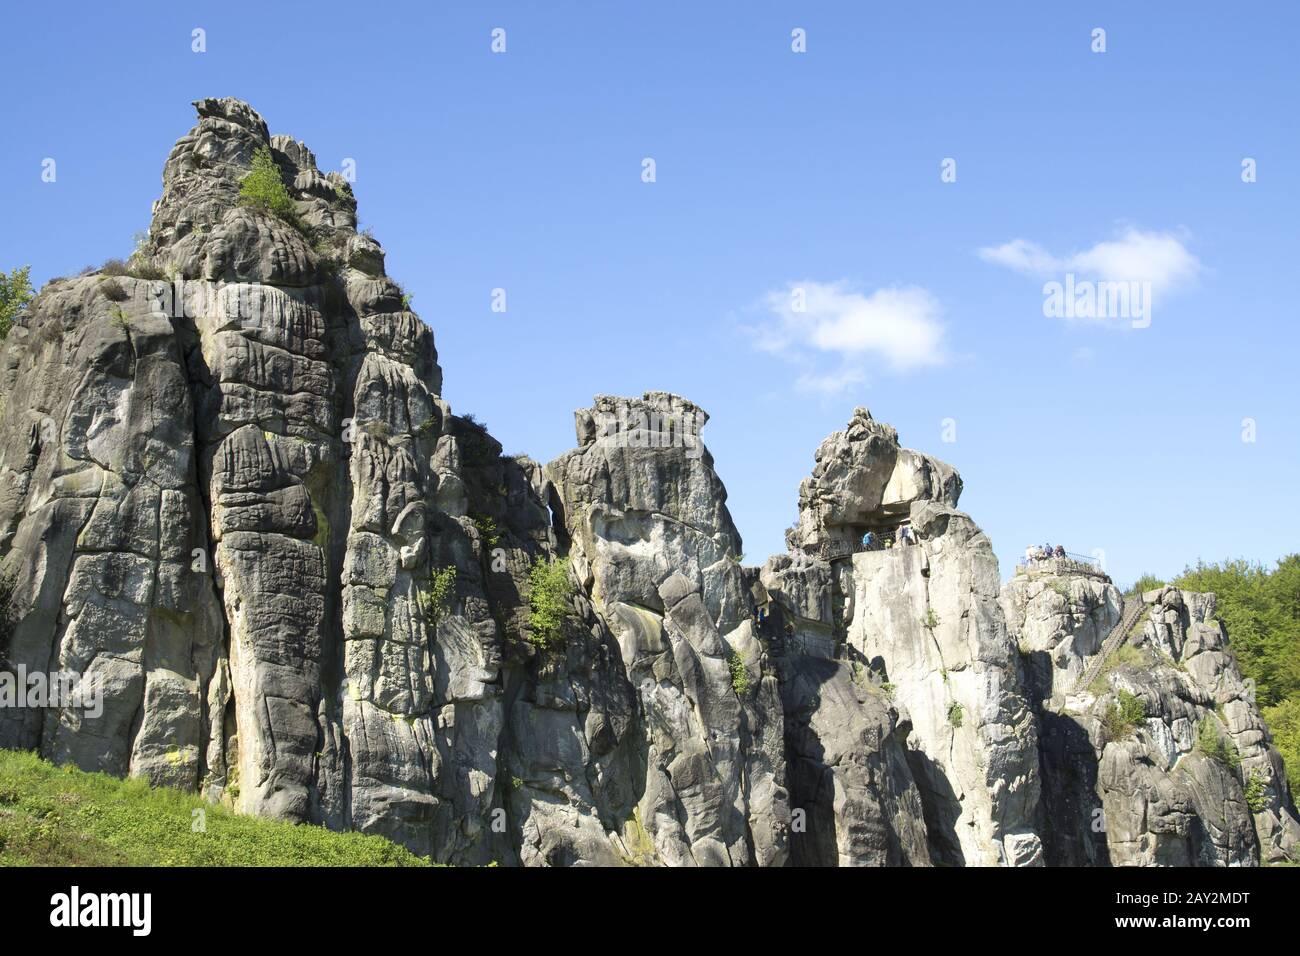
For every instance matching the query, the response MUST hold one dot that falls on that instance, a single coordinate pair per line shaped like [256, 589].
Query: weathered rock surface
[235, 499]
[1190, 777]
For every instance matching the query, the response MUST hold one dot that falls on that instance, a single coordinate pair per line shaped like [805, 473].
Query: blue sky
[775, 170]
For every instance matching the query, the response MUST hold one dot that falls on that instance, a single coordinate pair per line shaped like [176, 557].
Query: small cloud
[1159, 258]
[808, 322]
[1084, 354]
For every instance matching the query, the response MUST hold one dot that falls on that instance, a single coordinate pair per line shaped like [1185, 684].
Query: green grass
[60, 816]
[1126, 655]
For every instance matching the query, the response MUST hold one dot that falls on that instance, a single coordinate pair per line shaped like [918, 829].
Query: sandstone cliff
[232, 493]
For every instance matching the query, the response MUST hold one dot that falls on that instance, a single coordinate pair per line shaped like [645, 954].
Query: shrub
[487, 529]
[955, 712]
[931, 620]
[263, 188]
[1256, 792]
[112, 290]
[442, 589]
[739, 673]
[1124, 717]
[1212, 743]
[1147, 582]
[15, 293]
[549, 592]
[1284, 721]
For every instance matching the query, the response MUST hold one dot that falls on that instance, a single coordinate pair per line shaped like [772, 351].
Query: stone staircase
[1133, 609]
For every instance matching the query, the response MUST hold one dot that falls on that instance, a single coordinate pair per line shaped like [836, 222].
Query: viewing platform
[1070, 564]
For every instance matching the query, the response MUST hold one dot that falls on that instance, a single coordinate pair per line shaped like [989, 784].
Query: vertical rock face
[1187, 776]
[653, 543]
[924, 619]
[234, 502]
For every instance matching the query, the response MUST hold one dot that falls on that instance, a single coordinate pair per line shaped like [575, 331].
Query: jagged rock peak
[200, 230]
[654, 415]
[863, 480]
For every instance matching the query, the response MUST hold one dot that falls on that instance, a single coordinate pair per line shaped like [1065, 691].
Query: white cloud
[1159, 258]
[809, 322]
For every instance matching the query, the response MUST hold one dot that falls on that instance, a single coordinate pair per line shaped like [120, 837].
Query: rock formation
[1152, 747]
[233, 496]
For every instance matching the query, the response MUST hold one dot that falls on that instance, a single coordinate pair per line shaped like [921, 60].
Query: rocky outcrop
[1163, 759]
[653, 544]
[234, 499]
[924, 619]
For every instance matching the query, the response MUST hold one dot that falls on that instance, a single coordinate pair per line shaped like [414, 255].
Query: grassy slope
[59, 816]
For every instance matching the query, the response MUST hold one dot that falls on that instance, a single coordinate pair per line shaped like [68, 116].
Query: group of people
[1043, 552]
[876, 542]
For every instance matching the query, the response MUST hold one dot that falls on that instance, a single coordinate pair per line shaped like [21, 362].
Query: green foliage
[955, 713]
[931, 620]
[1261, 610]
[15, 293]
[1147, 582]
[442, 590]
[263, 188]
[60, 816]
[1284, 723]
[739, 673]
[549, 593]
[1124, 717]
[487, 529]
[1256, 792]
[1125, 656]
[1211, 742]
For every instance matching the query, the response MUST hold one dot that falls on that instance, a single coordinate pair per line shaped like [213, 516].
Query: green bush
[1261, 610]
[1256, 792]
[1124, 717]
[442, 590]
[955, 713]
[1147, 582]
[487, 529]
[1284, 724]
[549, 592]
[931, 620]
[15, 293]
[739, 673]
[1211, 742]
[263, 188]
[60, 816]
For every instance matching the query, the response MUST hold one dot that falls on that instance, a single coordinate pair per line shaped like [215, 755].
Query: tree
[549, 593]
[1261, 610]
[15, 293]
[264, 188]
